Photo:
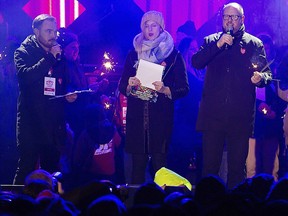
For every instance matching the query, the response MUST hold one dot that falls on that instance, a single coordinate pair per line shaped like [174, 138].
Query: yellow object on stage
[165, 177]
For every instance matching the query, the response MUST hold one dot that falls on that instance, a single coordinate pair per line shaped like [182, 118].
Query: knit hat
[65, 37]
[153, 16]
[188, 28]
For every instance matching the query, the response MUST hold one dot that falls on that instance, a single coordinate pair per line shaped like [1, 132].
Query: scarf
[154, 51]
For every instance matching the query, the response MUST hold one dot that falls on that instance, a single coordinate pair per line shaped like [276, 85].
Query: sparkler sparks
[107, 105]
[255, 66]
[108, 62]
[264, 110]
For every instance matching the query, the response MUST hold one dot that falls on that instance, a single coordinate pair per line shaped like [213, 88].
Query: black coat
[160, 114]
[228, 98]
[38, 118]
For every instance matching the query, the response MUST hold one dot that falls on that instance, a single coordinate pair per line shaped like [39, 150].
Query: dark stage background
[110, 26]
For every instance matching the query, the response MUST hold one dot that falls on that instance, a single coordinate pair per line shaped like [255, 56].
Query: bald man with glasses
[236, 64]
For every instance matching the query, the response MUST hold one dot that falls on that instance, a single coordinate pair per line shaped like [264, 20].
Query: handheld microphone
[58, 55]
[230, 32]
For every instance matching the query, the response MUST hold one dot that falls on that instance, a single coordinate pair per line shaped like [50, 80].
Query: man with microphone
[236, 64]
[41, 128]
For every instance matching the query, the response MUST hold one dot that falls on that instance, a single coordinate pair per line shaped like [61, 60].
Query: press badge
[49, 86]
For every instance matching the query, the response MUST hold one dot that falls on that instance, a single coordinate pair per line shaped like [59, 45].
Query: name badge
[49, 86]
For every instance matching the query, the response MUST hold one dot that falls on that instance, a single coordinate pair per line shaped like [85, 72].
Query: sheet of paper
[148, 73]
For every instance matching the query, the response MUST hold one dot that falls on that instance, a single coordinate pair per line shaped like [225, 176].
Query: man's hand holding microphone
[226, 39]
[56, 51]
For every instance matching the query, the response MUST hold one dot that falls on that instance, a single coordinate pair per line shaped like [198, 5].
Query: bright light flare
[106, 55]
[255, 66]
[108, 63]
[107, 105]
[264, 110]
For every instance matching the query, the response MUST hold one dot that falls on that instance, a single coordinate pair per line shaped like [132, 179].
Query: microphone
[230, 32]
[58, 55]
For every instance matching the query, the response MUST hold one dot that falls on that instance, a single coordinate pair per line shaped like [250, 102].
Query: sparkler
[107, 105]
[255, 65]
[264, 110]
[107, 102]
[267, 65]
[108, 63]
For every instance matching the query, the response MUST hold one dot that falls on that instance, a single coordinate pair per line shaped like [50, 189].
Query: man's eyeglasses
[233, 17]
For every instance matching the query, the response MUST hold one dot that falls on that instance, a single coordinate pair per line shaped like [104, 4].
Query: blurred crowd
[94, 171]
[42, 194]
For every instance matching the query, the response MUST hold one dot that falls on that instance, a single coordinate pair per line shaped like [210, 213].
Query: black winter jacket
[228, 98]
[37, 116]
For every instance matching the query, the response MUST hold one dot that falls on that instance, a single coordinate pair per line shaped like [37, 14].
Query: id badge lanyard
[49, 84]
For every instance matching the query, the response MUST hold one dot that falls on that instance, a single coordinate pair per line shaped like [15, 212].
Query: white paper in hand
[148, 73]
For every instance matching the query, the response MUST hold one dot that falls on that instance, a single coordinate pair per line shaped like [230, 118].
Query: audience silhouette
[259, 195]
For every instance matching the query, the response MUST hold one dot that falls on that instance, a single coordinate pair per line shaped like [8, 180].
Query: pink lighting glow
[65, 11]
[177, 12]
